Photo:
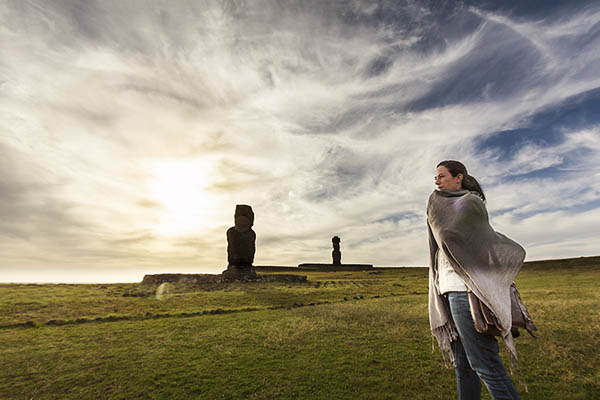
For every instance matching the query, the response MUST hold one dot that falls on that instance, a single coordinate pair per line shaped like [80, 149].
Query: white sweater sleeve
[448, 280]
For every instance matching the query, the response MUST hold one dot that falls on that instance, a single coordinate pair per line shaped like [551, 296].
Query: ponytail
[470, 183]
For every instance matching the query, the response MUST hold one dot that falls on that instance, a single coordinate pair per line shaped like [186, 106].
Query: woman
[466, 254]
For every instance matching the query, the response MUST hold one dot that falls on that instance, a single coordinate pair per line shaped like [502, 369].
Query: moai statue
[241, 246]
[336, 253]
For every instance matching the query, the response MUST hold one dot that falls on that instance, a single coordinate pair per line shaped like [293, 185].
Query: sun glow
[180, 186]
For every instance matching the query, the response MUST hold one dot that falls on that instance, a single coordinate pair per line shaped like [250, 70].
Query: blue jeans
[476, 356]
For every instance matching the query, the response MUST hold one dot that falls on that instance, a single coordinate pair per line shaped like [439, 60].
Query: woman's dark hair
[468, 182]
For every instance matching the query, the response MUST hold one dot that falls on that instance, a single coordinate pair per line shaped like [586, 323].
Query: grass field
[341, 335]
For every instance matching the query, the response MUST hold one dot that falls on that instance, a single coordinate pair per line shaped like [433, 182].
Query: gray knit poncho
[487, 261]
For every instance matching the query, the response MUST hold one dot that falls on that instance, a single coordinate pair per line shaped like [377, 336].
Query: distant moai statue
[336, 253]
[241, 244]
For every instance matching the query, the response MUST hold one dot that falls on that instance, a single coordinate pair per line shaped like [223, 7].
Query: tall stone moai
[336, 253]
[241, 245]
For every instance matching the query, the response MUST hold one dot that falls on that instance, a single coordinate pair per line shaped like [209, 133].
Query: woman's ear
[460, 177]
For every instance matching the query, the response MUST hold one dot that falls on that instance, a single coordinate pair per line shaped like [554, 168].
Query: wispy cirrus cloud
[130, 132]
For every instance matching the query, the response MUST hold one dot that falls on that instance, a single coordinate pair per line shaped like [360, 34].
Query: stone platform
[333, 267]
[198, 279]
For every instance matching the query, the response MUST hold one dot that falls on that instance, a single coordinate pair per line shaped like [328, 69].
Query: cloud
[566, 234]
[122, 123]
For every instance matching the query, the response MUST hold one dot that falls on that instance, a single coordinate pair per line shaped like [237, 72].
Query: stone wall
[192, 279]
[332, 267]
[198, 279]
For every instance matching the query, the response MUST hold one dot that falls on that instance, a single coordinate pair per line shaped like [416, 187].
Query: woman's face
[445, 181]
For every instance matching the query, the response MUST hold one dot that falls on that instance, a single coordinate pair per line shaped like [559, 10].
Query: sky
[130, 130]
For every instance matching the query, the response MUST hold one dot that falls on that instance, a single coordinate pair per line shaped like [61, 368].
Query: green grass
[267, 341]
